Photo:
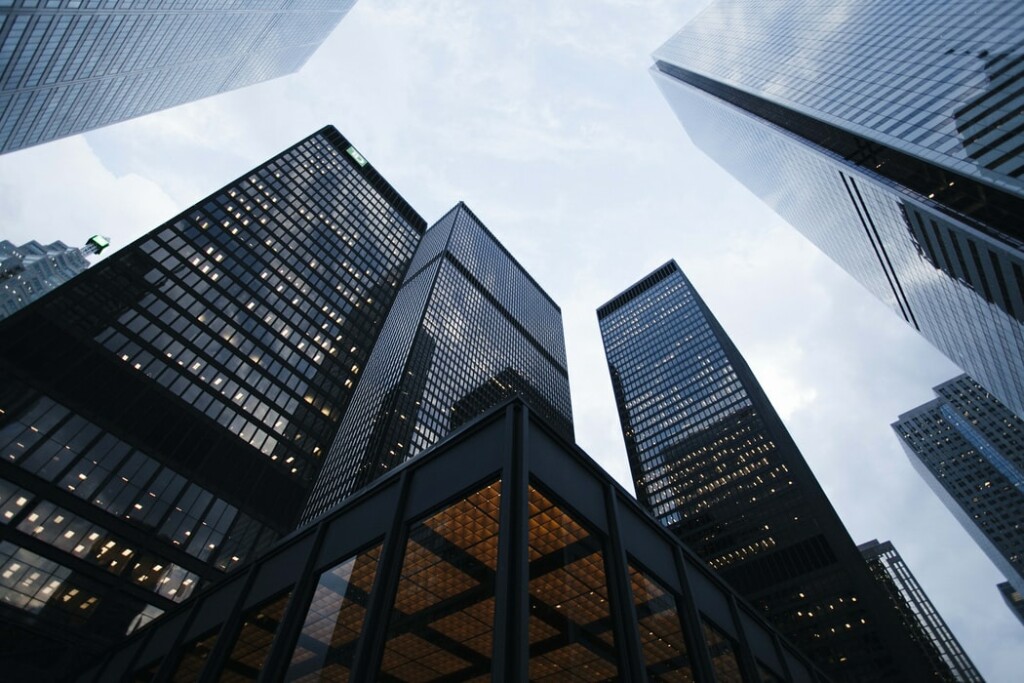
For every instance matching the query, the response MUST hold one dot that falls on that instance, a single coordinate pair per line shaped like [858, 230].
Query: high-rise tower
[918, 612]
[69, 67]
[712, 460]
[969, 448]
[470, 328]
[890, 134]
[31, 270]
[163, 415]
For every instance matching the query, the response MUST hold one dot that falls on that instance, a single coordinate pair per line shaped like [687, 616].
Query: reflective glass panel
[440, 627]
[723, 654]
[193, 658]
[570, 628]
[253, 644]
[330, 633]
[661, 636]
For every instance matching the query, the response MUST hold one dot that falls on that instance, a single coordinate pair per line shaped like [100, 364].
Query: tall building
[918, 612]
[164, 414]
[31, 270]
[69, 67]
[890, 134]
[969, 448]
[504, 553]
[469, 329]
[714, 463]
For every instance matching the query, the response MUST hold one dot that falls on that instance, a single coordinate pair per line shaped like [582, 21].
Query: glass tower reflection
[889, 134]
[71, 66]
[163, 415]
[469, 329]
[713, 462]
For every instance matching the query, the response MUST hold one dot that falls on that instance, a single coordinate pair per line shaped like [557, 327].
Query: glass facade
[1013, 598]
[969, 448]
[918, 612]
[713, 462]
[469, 329]
[152, 408]
[504, 551]
[889, 139]
[68, 66]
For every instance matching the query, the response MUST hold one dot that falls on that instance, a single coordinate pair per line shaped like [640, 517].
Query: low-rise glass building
[503, 553]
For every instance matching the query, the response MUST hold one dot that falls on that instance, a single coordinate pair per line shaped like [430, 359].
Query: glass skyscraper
[714, 463]
[29, 271]
[969, 448]
[68, 66]
[890, 134]
[470, 328]
[164, 414]
[918, 612]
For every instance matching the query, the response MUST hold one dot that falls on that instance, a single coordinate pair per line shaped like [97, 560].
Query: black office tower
[890, 134]
[712, 460]
[470, 328]
[164, 414]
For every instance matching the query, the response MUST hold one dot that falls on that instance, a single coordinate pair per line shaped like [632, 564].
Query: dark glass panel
[443, 614]
[661, 636]
[330, 633]
[193, 658]
[570, 628]
[254, 639]
[723, 654]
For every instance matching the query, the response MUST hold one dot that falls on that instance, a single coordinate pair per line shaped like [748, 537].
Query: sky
[542, 117]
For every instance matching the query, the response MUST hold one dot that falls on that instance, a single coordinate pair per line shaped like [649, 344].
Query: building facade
[890, 135]
[969, 448]
[163, 416]
[918, 612]
[31, 270]
[70, 66]
[469, 329]
[713, 462]
[504, 553]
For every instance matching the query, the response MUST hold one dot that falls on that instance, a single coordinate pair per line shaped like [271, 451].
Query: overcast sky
[542, 117]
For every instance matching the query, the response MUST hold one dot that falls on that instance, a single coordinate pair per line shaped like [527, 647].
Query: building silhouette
[29, 271]
[889, 134]
[918, 613]
[713, 462]
[164, 415]
[73, 67]
[969, 448]
[469, 329]
[503, 551]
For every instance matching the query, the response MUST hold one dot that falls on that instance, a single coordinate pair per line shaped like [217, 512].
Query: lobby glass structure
[713, 462]
[918, 612]
[69, 66]
[29, 271]
[969, 448]
[164, 414]
[502, 554]
[469, 329]
[890, 135]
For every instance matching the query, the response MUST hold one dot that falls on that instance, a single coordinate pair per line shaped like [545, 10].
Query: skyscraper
[969, 448]
[889, 134]
[1013, 598]
[713, 462]
[69, 67]
[163, 416]
[469, 329]
[31, 270]
[918, 612]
